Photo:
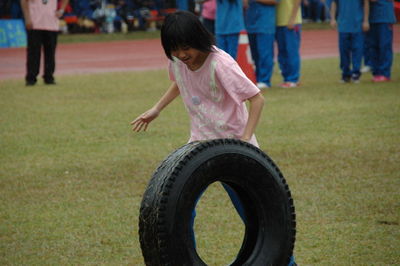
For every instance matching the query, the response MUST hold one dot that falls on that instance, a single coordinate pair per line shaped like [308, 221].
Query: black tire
[171, 194]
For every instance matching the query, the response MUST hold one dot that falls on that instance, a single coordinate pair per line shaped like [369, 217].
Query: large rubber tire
[168, 202]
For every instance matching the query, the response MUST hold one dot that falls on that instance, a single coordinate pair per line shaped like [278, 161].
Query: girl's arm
[256, 106]
[293, 15]
[142, 121]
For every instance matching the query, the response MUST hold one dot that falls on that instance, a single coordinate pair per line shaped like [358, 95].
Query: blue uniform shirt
[260, 18]
[382, 11]
[229, 17]
[350, 15]
[182, 4]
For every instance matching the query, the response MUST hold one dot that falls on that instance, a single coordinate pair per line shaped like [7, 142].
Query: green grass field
[72, 173]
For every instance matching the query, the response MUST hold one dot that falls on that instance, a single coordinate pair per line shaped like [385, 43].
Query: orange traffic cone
[244, 57]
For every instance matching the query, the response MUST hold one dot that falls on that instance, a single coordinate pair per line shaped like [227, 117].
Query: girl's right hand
[142, 121]
[333, 23]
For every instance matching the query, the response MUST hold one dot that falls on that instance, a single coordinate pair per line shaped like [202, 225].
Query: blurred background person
[260, 25]
[208, 15]
[229, 22]
[42, 25]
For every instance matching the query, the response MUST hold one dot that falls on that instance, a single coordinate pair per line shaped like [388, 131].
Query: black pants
[36, 40]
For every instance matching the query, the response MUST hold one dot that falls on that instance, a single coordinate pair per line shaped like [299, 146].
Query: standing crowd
[265, 21]
[365, 29]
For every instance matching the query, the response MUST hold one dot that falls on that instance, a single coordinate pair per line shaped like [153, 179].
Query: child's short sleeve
[230, 76]
[171, 70]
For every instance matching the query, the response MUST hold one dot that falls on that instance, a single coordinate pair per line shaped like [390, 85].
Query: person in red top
[42, 25]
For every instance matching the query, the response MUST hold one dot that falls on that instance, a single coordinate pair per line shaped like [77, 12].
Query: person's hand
[333, 23]
[365, 26]
[291, 23]
[245, 139]
[142, 121]
[28, 24]
[245, 4]
[59, 13]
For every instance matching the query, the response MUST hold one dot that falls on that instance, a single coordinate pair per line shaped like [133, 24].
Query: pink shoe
[380, 79]
[289, 85]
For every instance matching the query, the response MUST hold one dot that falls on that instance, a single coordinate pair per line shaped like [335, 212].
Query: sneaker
[289, 84]
[30, 83]
[262, 85]
[380, 79]
[355, 79]
[345, 80]
[50, 82]
[365, 69]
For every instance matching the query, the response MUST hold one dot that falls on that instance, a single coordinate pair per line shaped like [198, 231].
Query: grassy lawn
[72, 173]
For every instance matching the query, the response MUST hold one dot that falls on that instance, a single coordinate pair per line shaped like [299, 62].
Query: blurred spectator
[124, 16]
[15, 9]
[83, 8]
[229, 22]
[317, 9]
[381, 19]
[142, 12]
[187, 5]
[288, 38]
[104, 16]
[208, 15]
[352, 22]
[260, 25]
[42, 24]
[306, 10]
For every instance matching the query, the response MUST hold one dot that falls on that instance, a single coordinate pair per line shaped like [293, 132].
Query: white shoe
[365, 69]
[262, 85]
[289, 84]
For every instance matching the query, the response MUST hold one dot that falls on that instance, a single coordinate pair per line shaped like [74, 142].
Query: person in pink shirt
[42, 25]
[208, 15]
[213, 88]
[212, 85]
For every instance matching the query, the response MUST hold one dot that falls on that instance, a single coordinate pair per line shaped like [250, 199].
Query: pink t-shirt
[208, 10]
[214, 96]
[44, 16]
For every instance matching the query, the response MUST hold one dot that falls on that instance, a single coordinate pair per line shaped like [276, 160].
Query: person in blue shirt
[351, 21]
[229, 22]
[380, 38]
[260, 25]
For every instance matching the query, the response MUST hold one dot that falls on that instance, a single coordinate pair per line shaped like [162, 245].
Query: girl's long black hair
[183, 29]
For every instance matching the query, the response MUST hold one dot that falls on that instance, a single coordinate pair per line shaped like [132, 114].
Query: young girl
[212, 85]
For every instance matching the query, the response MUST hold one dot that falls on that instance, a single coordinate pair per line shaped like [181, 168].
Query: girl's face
[192, 57]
